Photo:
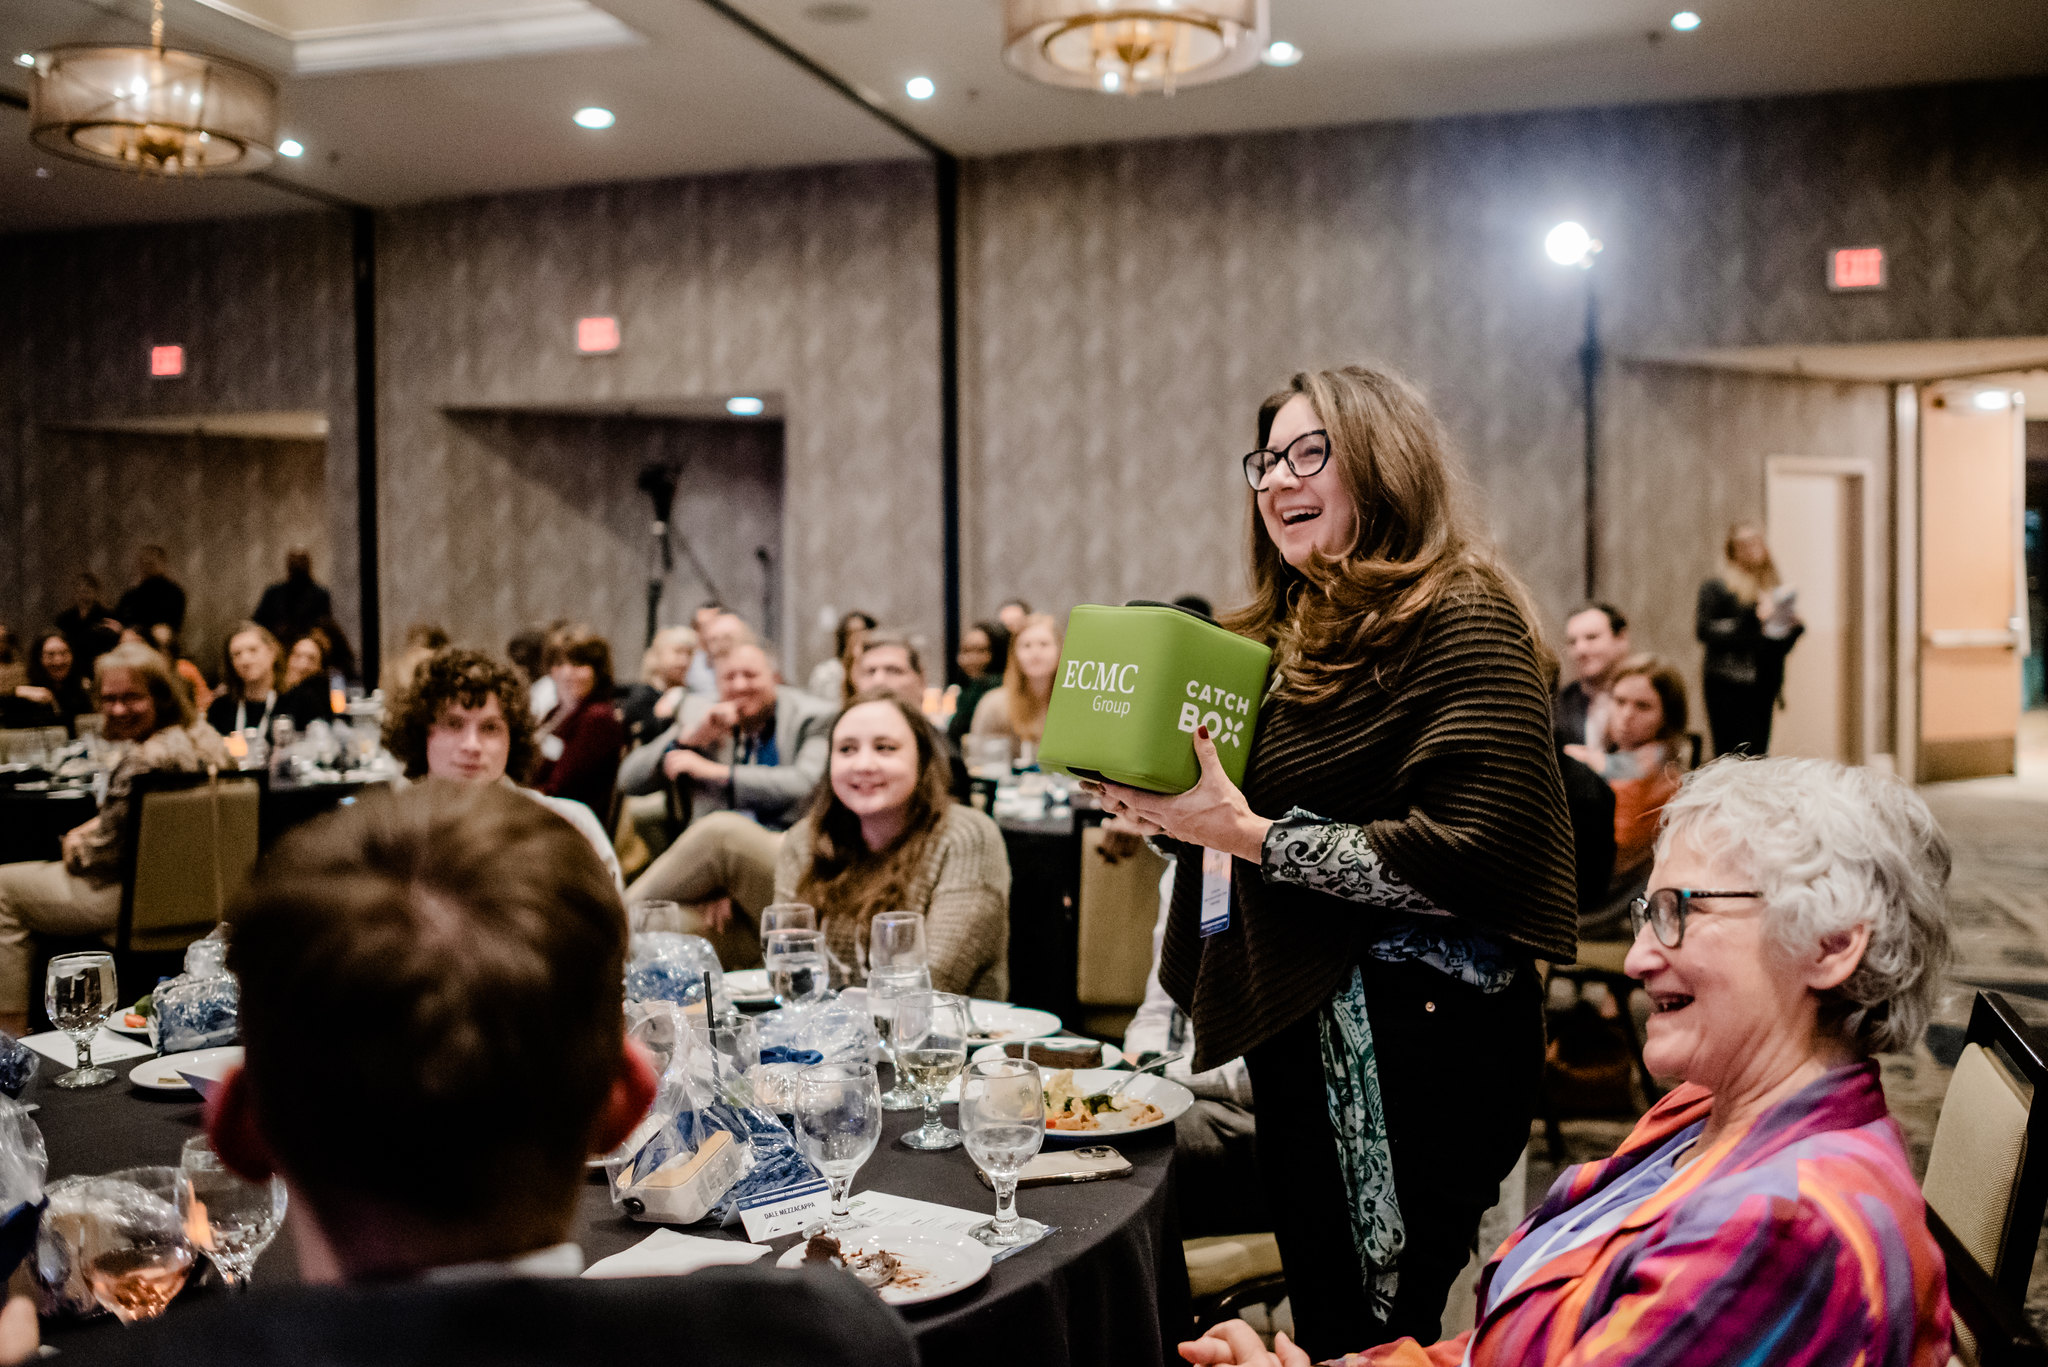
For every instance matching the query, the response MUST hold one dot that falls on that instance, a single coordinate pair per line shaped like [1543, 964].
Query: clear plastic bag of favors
[23, 1165]
[198, 1009]
[682, 1159]
[665, 965]
[18, 1064]
[830, 1032]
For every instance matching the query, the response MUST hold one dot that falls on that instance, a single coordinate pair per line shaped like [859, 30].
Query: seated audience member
[464, 719]
[1641, 764]
[295, 604]
[582, 740]
[1017, 709]
[307, 689]
[1596, 638]
[80, 894]
[422, 641]
[759, 749]
[830, 679]
[1013, 613]
[651, 704]
[249, 701]
[528, 651]
[164, 641]
[702, 677]
[88, 624]
[883, 834]
[1765, 1211]
[1216, 1182]
[888, 662]
[13, 671]
[477, 952]
[541, 696]
[984, 655]
[56, 693]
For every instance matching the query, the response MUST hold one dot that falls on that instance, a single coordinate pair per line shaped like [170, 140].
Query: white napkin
[107, 1047]
[666, 1253]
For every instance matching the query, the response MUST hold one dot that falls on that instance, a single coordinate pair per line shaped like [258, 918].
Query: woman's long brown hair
[1413, 550]
[843, 877]
[1027, 709]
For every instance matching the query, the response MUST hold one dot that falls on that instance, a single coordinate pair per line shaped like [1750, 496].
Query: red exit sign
[1856, 268]
[597, 336]
[166, 362]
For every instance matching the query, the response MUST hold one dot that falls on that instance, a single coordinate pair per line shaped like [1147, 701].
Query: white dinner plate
[173, 1072]
[998, 1021]
[749, 985]
[1169, 1096]
[936, 1262]
[1111, 1055]
[136, 1031]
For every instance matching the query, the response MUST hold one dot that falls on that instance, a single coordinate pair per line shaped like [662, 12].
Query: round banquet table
[33, 821]
[1109, 1287]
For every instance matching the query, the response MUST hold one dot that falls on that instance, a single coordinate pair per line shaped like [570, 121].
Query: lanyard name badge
[1215, 892]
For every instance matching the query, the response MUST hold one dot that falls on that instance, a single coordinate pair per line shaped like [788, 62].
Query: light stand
[1569, 244]
[658, 482]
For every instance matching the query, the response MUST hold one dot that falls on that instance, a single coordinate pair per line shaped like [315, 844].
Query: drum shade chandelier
[1131, 47]
[153, 110]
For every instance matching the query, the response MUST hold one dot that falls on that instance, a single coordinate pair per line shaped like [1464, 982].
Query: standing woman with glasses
[1399, 854]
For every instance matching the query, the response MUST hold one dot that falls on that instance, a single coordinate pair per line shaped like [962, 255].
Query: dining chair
[1118, 906]
[1987, 1185]
[193, 839]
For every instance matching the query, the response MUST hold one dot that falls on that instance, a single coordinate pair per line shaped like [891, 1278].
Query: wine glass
[885, 985]
[931, 1048]
[838, 1122]
[895, 937]
[135, 1245]
[656, 915]
[79, 994]
[1002, 1115]
[786, 916]
[239, 1217]
[797, 970]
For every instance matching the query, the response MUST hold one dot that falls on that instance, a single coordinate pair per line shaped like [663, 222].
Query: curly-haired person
[464, 717]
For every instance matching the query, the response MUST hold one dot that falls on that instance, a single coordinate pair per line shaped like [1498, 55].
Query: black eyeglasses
[1665, 910]
[1305, 455]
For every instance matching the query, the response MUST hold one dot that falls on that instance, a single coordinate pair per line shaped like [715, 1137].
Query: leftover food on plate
[1058, 1053]
[873, 1269]
[1067, 1109]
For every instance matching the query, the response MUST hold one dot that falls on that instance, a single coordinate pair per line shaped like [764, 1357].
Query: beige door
[1972, 445]
[1814, 513]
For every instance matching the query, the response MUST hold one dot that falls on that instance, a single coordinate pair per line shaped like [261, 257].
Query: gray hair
[1831, 848]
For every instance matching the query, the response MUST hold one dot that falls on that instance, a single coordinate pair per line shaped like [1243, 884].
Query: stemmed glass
[655, 915]
[838, 1123]
[1002, 1114]
[79, 994]
[895, 937]
[786, 916]
[931, 1048]
[797, 970]
[134, 1244]
[885, 985]
[240, 1217]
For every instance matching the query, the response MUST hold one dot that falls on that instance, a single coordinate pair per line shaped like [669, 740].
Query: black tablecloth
[32, 824]
[1110, 1287]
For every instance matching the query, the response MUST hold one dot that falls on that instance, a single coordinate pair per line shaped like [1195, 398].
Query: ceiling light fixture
[1569, 244]
[920, 88]
[25, 59]
[1993, 400]
[156, 110]
[1685, 21]
[1281, 53]
[594, 117]
[745, 406]
[1145, 45]
[291, 147]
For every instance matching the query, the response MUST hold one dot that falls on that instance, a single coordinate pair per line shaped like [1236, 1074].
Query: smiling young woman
[1400, 853]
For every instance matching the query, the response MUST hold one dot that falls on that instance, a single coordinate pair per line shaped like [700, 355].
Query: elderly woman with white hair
[1764, 1211]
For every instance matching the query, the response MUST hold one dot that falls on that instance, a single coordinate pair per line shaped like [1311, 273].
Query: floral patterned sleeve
[1329, 857]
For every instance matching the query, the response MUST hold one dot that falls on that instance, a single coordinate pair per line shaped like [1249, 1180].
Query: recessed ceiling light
[1112, 80]
[745, 406]
[1685, 21]
[920, 88]
[42, 173]
[593, 117]
[25, 59]
[1281, 53]
[1993, 400]
[291, 147]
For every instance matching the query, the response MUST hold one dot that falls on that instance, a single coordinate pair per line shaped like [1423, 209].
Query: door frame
[1870, 663]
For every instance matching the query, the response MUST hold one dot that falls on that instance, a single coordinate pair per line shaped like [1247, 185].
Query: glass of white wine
[838, 1123]
[80, 993]
[885, 985]
[1002, 1114]
[240, 1217]
[930, 1039]
[135, 1247]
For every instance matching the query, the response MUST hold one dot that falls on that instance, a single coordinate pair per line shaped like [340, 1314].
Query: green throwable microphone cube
[1133, 684]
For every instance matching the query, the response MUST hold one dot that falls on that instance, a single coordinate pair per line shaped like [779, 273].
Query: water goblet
[885, 985]
[838, 1115]
[930, 1034]
[1002, 1115]
[797, 970]
[239, 1217]
[786, 916]
[136, 1246]
[655, 915]
[79, 994]
[896, 937]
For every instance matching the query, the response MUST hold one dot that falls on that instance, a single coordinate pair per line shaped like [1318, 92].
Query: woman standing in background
[1746, 622]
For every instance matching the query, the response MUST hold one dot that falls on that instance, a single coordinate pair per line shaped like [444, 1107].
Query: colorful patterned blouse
[1799, 1242]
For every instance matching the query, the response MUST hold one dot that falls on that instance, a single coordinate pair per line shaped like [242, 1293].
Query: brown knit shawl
[1451, 769]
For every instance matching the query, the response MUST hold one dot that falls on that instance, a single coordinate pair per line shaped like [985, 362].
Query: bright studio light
[1685, 21]
[745, 406]
[1280, 52]
[291, 147]
[1569, 244]
[25, 59]
[920, 88]
[1992, 400]
[594, 117]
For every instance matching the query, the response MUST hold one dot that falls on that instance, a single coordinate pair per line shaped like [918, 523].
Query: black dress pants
[1459, 1072]
[1739, 714]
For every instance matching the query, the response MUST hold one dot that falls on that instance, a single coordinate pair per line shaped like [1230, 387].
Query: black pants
[1459, 1072]
[1739, 714]
[1215, 1171]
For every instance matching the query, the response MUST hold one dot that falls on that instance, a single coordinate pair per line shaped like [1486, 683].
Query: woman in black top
[1398, 856]
[57, 691]
[250, 702]
[1746, 622]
